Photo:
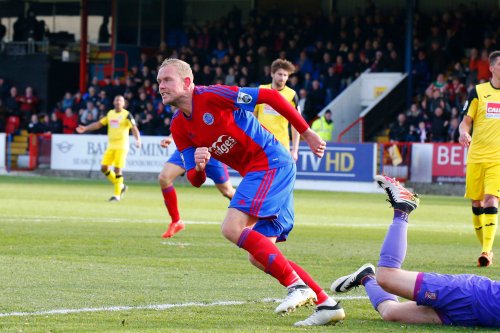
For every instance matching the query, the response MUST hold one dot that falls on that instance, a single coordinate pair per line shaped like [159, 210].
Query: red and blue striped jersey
[222, 120]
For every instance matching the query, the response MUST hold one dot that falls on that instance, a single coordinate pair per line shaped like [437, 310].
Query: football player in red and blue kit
[217, 121]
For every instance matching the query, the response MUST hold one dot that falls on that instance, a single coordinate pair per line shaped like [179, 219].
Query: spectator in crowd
[414, 115]
[399, 130]
[324, 126]
[4, 88]
[479, 66]
[107, 87]
[317, 97]
[421, 72]
[102, 98]
[395, 64]
[3, 31]
[28, 102]
[423, 132]
[78, 102]
[104, 34]
[20, 32]
[34, 126]
[413, 134]
[439, 85]
[455, 92]
[69, 121]
[12, 103]
[91, 95]
[55, 125]
[453, 132]
[439, 126]
[118, 88]
[89, 114]
[146, 122]
[67, 101]
[95, 84]
[304, 106]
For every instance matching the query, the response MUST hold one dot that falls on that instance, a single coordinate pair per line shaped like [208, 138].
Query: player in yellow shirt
[270, 118]
[482, 181]
[119, 122]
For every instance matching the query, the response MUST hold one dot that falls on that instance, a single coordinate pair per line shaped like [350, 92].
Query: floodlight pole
[83, 44]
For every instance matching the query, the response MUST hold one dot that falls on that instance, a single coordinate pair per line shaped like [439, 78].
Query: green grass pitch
[72, 262]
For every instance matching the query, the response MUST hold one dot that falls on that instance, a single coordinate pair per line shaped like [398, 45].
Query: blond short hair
[182, 67]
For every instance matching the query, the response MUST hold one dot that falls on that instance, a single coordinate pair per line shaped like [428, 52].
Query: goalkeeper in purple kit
[461, 300]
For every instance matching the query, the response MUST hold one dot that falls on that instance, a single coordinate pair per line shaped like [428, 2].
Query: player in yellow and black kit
[270, 118]
[119, 122]
[482, 182]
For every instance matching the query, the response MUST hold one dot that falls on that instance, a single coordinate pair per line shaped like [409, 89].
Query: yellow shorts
[115, 157]
[481, 179]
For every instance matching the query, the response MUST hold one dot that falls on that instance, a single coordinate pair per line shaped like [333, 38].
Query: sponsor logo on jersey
[208, 118]
[486, 96]
[223, 145]
[114, 123]
[493, 110]
[269, 110]
[243, 98]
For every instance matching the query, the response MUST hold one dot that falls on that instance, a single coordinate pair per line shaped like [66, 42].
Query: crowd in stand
[329, 52]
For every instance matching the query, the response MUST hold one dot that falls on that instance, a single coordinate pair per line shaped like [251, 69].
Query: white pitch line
[158, 307]
[415, 226]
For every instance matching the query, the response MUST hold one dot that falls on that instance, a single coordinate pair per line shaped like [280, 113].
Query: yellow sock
[111, 176]
[489, 228]
[118, 186]
[478, 222]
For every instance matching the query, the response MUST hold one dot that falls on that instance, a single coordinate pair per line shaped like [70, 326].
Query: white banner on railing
[84, 152]
[2, 150]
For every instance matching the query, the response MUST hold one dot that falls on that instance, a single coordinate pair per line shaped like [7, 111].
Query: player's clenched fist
[201, 157]
[164, 143]
[315, 142]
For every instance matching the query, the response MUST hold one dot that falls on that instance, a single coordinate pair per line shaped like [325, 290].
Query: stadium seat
[12, 125]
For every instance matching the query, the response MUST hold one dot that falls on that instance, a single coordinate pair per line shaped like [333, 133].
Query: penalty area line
[159, 307]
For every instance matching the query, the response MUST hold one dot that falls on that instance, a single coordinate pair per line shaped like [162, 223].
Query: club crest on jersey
[223, 145]
[244, 98]
[430, 295]
[208, 118]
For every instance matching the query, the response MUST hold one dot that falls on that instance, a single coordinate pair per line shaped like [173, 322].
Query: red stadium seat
[12, 124]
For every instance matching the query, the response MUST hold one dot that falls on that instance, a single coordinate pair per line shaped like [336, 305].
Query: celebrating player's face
[279, 78]
[170, 84]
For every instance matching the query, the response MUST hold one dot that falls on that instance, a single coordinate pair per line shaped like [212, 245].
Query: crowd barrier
[344, 166]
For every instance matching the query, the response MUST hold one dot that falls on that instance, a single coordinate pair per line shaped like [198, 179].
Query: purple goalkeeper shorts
[215, 170]
[462, 300]
[268, 195]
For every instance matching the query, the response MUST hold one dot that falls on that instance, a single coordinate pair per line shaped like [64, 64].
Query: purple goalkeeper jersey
[464, 300]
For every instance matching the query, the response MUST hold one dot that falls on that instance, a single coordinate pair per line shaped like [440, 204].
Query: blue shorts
[462, 300]
[268, 195]
[215, 170]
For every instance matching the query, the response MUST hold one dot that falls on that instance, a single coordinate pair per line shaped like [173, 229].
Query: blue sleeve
[247, 98]
[188, 157]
